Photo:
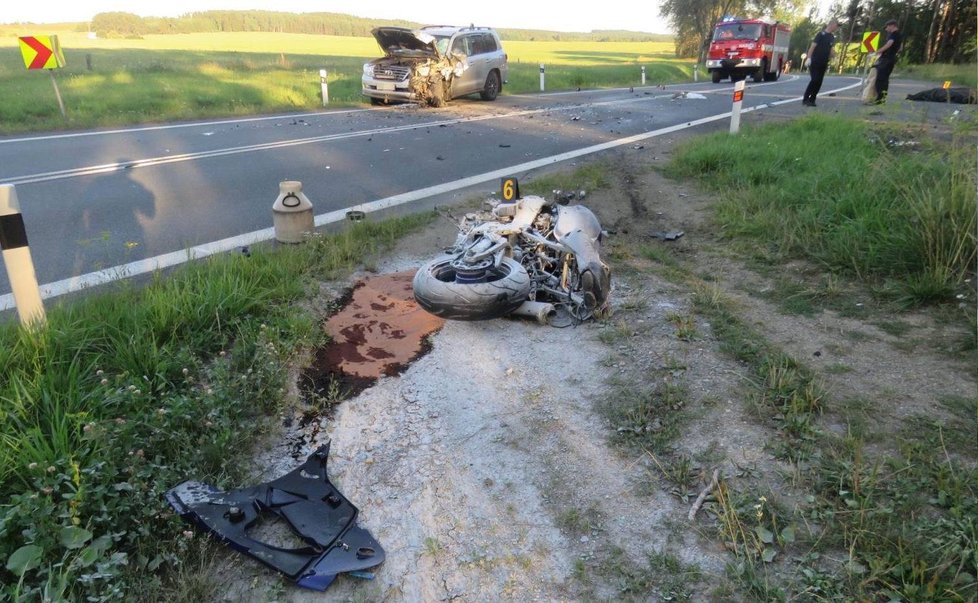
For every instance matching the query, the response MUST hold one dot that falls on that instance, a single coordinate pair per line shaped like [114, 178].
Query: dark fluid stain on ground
[378, 331]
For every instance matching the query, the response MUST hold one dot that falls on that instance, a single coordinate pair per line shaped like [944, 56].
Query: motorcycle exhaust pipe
[539, 311]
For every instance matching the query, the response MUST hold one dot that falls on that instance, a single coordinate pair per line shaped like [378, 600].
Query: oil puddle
[378, 331]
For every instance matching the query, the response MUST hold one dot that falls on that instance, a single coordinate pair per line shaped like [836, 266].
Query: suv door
[469, 81]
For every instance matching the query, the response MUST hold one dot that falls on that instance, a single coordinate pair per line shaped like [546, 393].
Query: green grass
[909, 228]
[647, 419]
[661, 574]
[959, 75]
[871, 511]
[122, 395]
[109, 82]
[898, 524]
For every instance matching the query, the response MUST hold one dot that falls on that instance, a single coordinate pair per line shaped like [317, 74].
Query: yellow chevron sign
[41, 52]
[871, 41]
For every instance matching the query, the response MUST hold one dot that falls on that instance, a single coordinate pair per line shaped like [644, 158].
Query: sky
[609, 14]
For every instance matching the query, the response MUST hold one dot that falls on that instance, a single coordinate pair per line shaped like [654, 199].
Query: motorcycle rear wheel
[437, 292]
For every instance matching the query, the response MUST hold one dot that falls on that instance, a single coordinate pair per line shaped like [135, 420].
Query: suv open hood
[400, 41]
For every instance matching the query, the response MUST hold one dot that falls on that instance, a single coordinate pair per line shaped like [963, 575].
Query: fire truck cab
[748, 47]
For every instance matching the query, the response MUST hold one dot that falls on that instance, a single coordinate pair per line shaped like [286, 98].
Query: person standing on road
[887, 60]
[819, 54]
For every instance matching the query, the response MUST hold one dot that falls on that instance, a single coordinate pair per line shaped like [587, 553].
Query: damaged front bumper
[315, 510]
[428, 81]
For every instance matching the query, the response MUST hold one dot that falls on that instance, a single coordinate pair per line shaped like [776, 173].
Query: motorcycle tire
[436, 291]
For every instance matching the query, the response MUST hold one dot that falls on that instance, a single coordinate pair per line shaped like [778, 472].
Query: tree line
[934, 31]
[128, 25]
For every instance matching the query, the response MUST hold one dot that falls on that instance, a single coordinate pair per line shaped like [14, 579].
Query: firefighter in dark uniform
[887, 60]
[819, 54]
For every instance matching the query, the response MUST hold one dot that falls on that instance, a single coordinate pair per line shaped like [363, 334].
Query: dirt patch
[496, 468]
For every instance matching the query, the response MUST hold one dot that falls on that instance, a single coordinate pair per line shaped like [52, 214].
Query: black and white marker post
[17, 258]
[738, 100]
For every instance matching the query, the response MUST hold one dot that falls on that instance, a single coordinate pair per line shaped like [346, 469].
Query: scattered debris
[893, 142]
[565, 197]
[687, 94]
[305, 499]
[668, 236]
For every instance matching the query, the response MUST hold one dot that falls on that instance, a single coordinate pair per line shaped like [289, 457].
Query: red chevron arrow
[43, 52]
[868, 42]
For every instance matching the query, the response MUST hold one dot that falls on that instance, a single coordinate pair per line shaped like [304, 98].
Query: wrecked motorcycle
[534, 257]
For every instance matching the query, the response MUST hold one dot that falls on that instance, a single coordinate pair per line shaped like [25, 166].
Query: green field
[109, 82]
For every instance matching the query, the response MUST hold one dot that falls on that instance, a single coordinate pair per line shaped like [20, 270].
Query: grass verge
[908, 228]
[859, 510]
[124, 394]
[958, 75]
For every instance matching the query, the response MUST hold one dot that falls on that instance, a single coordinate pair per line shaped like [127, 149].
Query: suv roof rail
[459, 28]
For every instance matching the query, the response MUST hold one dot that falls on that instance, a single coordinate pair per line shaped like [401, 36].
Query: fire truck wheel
[758, 75]
[716, 76]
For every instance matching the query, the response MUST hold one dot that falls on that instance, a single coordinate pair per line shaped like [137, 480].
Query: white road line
[160, 262]
[153, 161]
[196, 124]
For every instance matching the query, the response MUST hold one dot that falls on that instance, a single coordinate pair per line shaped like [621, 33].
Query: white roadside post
[738, 100]
[542, 86]
[17, 258]
[643, 75]
[324, 85]
[696, 72]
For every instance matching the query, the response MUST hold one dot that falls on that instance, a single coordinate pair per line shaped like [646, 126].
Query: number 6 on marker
[510, 189]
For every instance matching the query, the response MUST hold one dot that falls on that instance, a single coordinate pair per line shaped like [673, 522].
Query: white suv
[434, 64]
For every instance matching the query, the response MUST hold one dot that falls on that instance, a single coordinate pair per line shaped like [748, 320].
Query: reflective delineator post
[324, 85]
[696, 72]
[643, 75]
[542, 70]
[738, 100]
[17, 258]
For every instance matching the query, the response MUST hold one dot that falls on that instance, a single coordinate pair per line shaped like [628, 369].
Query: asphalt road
[96, 200]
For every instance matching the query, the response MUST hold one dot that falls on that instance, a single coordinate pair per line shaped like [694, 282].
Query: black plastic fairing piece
[316, 511]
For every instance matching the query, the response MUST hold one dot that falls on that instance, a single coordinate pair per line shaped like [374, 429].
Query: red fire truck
[748, 47]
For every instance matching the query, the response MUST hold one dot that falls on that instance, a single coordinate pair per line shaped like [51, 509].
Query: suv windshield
[441, 43]
[737, 31]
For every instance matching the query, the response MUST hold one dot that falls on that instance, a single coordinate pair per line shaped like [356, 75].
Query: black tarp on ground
[960, 95]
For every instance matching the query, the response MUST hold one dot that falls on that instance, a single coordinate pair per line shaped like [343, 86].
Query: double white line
[266, 146]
